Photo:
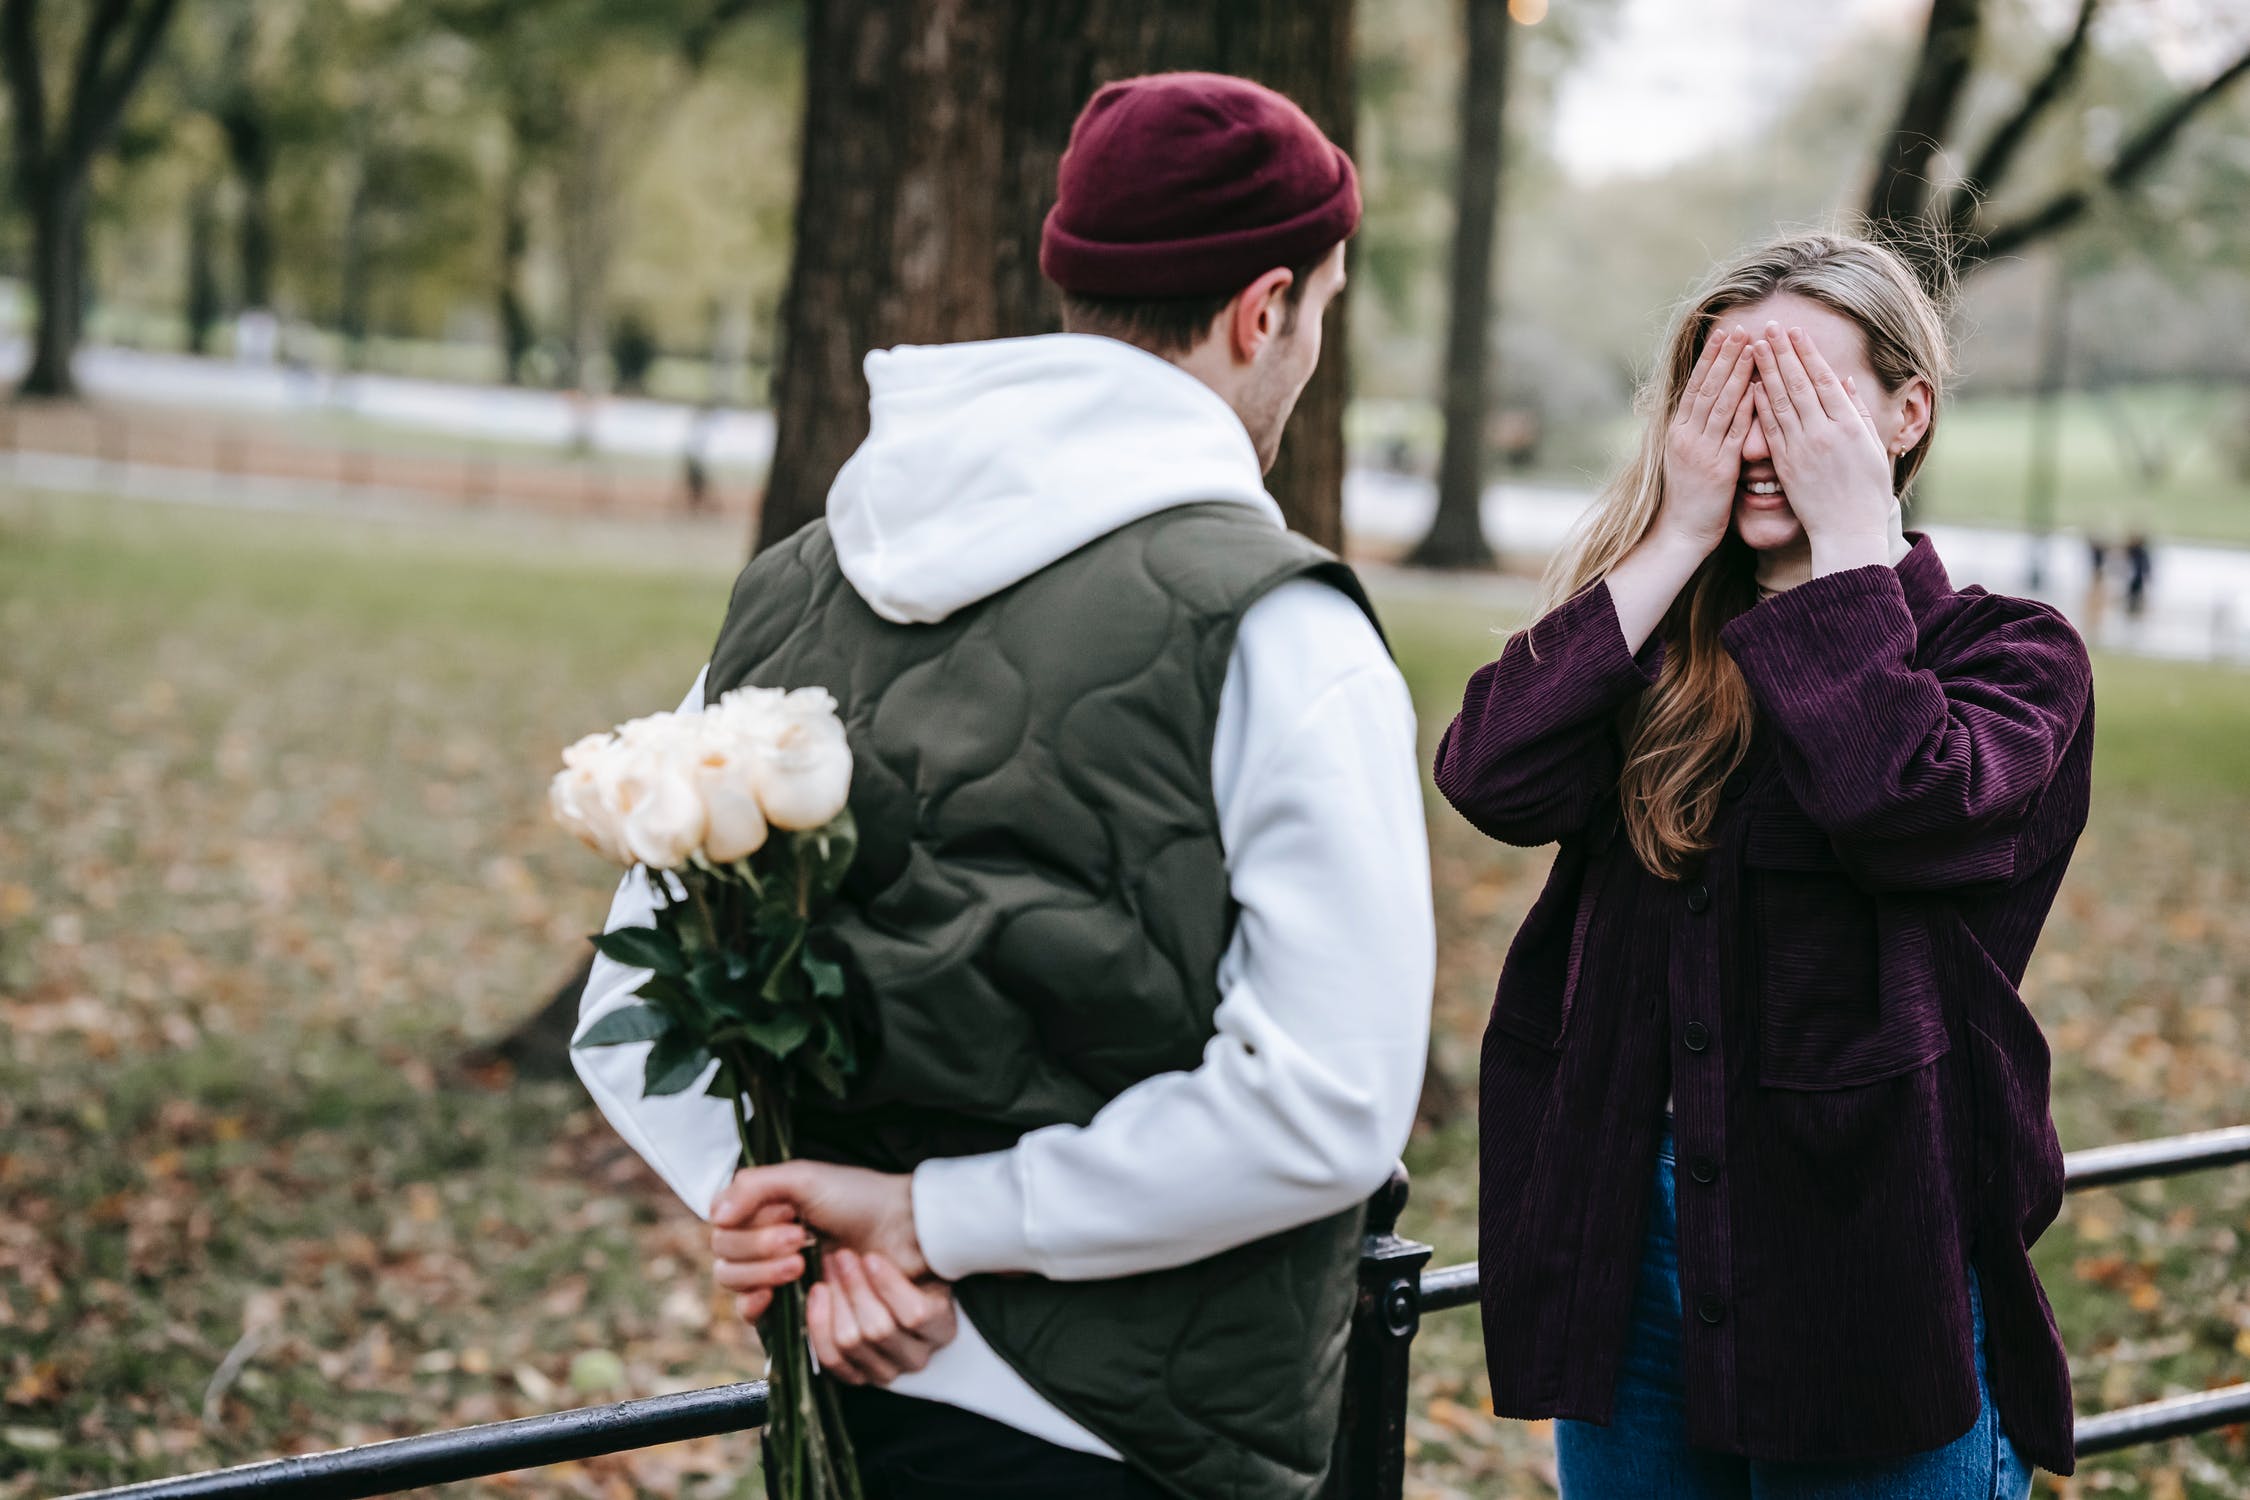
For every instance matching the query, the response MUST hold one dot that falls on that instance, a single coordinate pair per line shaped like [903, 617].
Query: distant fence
[1395, 1289]
[120, 445]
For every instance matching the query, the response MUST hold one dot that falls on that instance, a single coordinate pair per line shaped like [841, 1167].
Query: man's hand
[849, 1206]
[868, 1323]
[867, 1318]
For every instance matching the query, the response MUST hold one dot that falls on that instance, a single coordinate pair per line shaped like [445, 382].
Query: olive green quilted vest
[1036, 918]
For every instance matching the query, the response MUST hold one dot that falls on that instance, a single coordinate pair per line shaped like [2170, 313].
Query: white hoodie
[983, 464]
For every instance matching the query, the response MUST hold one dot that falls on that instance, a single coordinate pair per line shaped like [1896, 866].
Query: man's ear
[1255, 316]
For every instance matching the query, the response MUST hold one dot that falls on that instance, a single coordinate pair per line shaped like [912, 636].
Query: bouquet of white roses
[738, 813]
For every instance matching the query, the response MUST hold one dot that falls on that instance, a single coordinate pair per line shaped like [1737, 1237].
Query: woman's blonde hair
[1692, 727]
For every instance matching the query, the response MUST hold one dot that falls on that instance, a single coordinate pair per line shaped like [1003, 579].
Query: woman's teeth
[1765, 487]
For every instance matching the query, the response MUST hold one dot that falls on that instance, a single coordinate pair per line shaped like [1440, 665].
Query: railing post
[1370, 1461]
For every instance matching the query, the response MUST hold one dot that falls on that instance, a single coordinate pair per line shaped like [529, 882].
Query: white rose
[663, 818]
[576, 798]
[747, 711]
[726, 780]
[805, 770]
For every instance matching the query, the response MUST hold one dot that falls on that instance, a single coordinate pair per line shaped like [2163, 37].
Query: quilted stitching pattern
[1035, 923]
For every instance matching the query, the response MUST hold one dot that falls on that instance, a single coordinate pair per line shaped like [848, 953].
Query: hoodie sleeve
[1307, 1092]
[688, 1138]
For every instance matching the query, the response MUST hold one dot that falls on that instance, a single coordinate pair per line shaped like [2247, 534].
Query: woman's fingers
[1777, 436]
[1726, 407]
[1777, 410]
[1826, 388]
[1738, 431]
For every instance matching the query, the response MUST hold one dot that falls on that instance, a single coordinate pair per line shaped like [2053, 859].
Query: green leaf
[826, 974]
[676, 1061]
[781, 1035]
[714, 986]
[631, 1023]
[642, 948]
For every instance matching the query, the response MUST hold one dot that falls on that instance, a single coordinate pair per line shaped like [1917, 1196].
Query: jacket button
[1703, 1169]
[1697, 1036]
[1699, 898]
[1735, 785]
[1711, 1308]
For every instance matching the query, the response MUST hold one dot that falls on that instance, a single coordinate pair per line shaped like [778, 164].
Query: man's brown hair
[1170, 325]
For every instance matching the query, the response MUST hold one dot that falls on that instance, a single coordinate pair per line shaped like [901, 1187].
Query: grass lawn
[273, 855]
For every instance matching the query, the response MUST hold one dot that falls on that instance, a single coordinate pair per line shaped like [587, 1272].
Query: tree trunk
[250, 154]
[354, 275]
[515, 239]
[1456, 536]
[202, 270]
[931, 135]
[58, 260]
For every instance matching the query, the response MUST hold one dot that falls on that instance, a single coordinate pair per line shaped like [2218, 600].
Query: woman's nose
[1754, 449]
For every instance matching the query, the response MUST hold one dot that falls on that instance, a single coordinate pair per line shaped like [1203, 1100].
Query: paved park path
[2199, 599]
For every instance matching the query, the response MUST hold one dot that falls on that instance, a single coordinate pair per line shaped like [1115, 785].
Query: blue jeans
[1644, 1450]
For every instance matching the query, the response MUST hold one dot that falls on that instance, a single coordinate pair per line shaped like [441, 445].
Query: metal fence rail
[1396, 1288]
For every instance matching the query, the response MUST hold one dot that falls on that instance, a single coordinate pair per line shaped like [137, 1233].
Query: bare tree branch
[94, 118]
[1999, 153]
[93, 54]
[1901, 191]
[2140, 152]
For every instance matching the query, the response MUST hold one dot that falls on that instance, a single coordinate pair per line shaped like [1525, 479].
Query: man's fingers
[753, 1189]
[876, 1325]
[768, 1243]
[853, 1346]
[751, 1306]
[926, 1311]
[820, 1331]
[754, 1275]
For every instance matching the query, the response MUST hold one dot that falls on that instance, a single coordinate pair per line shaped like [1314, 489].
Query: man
[1141, 909]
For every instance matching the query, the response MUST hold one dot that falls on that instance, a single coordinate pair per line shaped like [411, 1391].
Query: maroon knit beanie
[1192, 185]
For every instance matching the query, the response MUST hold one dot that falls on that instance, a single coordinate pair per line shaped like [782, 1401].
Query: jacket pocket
[1845, 983]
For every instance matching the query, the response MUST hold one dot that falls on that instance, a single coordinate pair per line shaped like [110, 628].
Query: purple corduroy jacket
[1828, 998]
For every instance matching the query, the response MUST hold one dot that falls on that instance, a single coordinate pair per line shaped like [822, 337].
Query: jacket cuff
[1586, 628]
[1821, 631]
[969, 1215]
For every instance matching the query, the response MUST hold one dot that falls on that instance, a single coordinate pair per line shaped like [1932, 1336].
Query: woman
[1765, 1130]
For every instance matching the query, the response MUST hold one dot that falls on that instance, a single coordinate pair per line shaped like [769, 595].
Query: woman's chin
[1765, 530]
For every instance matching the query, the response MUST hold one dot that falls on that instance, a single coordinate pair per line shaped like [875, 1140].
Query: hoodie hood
[986, 462]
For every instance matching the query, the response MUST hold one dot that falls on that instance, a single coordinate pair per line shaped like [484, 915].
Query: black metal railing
[1395, 1289]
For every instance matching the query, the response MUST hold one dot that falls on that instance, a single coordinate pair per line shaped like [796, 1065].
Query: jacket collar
[1923, 577]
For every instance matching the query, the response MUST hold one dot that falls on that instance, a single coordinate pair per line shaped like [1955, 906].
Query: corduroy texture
[1830, 999]
[1192, 185]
